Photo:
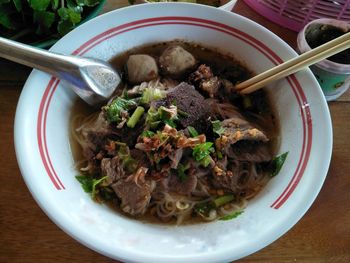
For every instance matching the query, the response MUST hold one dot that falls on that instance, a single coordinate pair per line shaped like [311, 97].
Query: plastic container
[334, 78]
[295, 14]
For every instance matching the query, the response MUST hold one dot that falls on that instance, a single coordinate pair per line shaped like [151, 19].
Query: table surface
[28, 235]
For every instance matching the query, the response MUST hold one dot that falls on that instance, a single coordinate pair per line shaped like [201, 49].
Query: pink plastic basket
[294, 14]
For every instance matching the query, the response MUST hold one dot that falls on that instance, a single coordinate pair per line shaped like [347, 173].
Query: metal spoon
[92, 79]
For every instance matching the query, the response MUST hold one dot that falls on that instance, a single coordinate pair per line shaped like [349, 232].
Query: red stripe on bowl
[41, 134]
[267, 52]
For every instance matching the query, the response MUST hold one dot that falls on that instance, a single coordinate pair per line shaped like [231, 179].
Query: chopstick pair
[295, 64]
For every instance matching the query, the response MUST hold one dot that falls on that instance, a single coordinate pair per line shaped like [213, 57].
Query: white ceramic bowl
[46, 162]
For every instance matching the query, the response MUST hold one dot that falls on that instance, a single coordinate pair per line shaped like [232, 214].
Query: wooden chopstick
[293, 65]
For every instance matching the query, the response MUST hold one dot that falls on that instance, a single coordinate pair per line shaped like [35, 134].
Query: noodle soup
[177, 143]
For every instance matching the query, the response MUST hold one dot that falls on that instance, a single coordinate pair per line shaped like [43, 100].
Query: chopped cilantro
[202, 151]
[232, 216]
[217, 127]
[193, 132]
[116, 107]
[277, 163]
[89, 184]
[147, 133]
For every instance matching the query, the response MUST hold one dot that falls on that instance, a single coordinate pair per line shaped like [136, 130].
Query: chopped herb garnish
[152, 94]
[182, 113]
[193, 132]
[135, 117]
[147, 133]
[88, 183]
[171, 123]
[116, 107]
[232, 216]
[161, 115]
[217, 127]
[277, 163]
[222, 200]
[202, 150]
[205, 161]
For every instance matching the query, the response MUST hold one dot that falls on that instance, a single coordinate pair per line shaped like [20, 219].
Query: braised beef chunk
[202, 73]
[225, 181]
[184, 186]
[192, 105]
[205, 81]
[134, 196]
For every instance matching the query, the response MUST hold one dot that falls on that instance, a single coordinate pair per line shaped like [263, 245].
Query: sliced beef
[191, 103]
[141, 68]
[253, 151]
[112, 167]
[134, 196]
[175, 61]
[183, 187]
[226, 181]
[237, 129]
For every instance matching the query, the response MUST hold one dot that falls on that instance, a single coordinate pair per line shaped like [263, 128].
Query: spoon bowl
[93, 80]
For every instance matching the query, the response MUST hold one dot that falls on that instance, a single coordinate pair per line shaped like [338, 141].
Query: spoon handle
[43, 60]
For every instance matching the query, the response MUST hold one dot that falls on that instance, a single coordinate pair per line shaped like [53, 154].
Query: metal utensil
[92, 79]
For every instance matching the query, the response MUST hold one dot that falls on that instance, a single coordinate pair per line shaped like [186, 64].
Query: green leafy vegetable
[135, 117]
[222, 200]
[18, 5]
[277, 163]
[232, 216]
[217, 127]
[89, 184]
[39, 5]
[44, 19]
[116, 107]
[20, 19]
[193, 132]
[6, 19]
[202, 151]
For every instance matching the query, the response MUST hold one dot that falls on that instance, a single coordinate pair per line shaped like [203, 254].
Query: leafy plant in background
[24, 18]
